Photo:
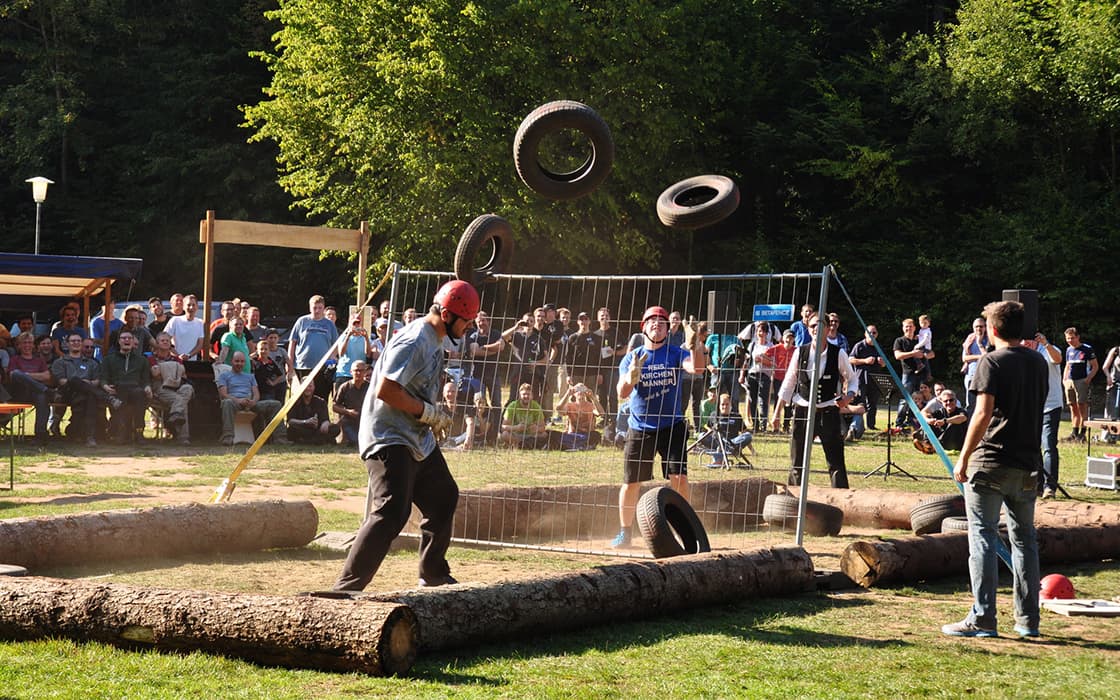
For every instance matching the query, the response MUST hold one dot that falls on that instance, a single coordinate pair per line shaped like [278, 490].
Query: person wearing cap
[650, 379]
[396, 440]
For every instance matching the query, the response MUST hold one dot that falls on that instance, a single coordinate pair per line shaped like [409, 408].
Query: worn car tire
[698, 201]
[550, 118]
[821, 519]
[927, 515]
[486, 230]
[670, 526]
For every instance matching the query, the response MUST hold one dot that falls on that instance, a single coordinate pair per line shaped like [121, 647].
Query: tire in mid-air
[488, 233]
[670, 526]
[548, 119]
[698, 201]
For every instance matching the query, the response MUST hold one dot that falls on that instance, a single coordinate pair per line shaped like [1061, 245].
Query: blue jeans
[1050, 423]
[910, 384]
[984, 493]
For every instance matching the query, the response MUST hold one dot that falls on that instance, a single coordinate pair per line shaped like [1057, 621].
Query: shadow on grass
[749, 621]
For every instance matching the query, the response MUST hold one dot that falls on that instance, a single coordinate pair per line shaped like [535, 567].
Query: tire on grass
[698, 201]
[821, 519]
[670, 526]
[550, 118]
[487, 230]
[926, 516]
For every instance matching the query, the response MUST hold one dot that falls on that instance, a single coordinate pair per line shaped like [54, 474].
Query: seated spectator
[709, 405]
[66, 326]
[948, 420]
[238, 392]
[25, 323]
[460, 436]
[173, 392]
[127, 378]
[30, 381]
[580, 409]
[269, 369]
[348, 399]
[134, 322]
[523, 422]
[78, 380]
[308, 420]
[727, 427]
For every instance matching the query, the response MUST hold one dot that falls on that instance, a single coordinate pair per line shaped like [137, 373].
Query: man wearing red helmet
[651, 377]
[396, 441]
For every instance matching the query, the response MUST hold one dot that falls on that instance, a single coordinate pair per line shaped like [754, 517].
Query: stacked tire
[927, 516]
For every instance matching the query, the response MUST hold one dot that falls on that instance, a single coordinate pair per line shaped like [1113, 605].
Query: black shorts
[637, 455]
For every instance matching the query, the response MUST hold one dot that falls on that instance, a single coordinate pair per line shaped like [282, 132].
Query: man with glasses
[348, 398]
[835, 390]
[948, 420]
[78, 380]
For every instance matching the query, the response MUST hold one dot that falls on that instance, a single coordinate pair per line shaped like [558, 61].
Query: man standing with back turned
[396, 441]
[999, 465]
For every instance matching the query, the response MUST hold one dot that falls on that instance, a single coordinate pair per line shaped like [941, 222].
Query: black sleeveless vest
[829, 385]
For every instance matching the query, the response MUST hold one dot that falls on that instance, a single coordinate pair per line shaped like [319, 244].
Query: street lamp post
[39, 194]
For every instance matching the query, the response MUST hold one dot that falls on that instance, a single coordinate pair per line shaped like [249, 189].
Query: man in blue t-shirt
[650, 377]
[1081, 367]
[312, 337]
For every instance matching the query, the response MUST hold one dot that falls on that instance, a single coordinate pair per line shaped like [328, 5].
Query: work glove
[436, 417]
[639, 359]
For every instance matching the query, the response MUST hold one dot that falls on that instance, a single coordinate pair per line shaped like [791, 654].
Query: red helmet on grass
[1057, 586]
[460, 298]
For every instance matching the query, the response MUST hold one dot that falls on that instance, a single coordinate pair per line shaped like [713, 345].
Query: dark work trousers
[397, 481]
[828, 426]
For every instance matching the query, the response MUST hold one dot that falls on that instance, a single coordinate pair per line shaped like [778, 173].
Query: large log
[466, 614]
[927, 557]
[886, 509]
[540, 514]
[165, 531]
[366, 636]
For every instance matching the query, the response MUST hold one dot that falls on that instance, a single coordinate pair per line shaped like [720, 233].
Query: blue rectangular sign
[773, 312]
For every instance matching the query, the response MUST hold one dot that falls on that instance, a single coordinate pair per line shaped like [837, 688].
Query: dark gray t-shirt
[1016, 377]
[414, 359]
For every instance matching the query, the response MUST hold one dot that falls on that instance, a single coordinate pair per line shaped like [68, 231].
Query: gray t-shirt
[414, 359]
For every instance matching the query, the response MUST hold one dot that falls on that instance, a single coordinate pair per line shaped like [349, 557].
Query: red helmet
[460, 298]
[655, 312]
[1057, 586]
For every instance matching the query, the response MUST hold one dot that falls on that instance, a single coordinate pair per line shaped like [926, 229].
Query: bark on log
[927, 557]
[886, 509]
[366, 636]
[156, 532]
[466, 614]
[539, 514]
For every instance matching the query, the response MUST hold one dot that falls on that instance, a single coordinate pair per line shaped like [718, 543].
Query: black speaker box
[1029, 299]
[723, 312]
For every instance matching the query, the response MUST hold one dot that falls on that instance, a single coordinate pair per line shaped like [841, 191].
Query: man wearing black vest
[835, 390]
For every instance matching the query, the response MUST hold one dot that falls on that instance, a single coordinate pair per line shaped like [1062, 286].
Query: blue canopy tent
[37, 283]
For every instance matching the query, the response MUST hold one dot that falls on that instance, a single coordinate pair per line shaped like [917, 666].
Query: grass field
[882, 642]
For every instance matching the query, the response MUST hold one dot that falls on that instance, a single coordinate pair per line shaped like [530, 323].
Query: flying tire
[698, 201]
[550, 118]
[488, 232]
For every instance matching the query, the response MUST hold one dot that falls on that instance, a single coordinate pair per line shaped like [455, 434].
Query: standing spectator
[835, 336]
[187, 332]
[693, 386]
[650, 378]
[972, 349]
[758, 377]
[801, 335]
[1081, 367]
[159, 316]
[866, 360]
[581, 354]
[97, 329]
[396, 441]
[66, 327]
[355, 348]
[913, 361]
[530, 351]
[1051, 415]
[780, 355]
[835, 389]
[998, 465]
[610, 352]
[313, 337]
[178, 304]
[725, 357]
[1112, 394]
[234, 340]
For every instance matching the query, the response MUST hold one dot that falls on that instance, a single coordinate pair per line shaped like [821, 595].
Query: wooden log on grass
[467, 614]
[887, 509]
[348, 635]
[911, 559]
[166, 531]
